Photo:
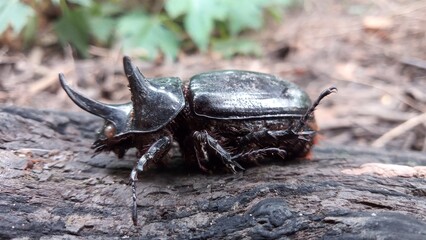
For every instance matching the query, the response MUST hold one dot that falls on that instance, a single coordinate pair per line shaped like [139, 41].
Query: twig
[398, 130]
[408, 102]
[424, 146]
[414, 62]
[409, 9]
[48, 80]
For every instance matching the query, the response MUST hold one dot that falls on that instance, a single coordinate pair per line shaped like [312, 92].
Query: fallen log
[51, 186]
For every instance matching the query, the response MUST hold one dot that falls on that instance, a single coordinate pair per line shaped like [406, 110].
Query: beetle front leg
[155, 152]
[204, 142]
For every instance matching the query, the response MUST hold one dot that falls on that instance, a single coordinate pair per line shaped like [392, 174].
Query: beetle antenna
[302, 121]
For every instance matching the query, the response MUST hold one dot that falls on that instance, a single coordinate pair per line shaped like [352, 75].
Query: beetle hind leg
[265, 137]
[274, 144]
[255, 155]
[304, 119]
[205, 143]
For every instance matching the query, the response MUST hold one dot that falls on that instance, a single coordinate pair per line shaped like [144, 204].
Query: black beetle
[222, 119]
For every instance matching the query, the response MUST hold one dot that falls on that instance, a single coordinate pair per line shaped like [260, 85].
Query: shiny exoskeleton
[222, 120]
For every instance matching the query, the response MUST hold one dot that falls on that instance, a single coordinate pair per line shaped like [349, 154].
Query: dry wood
[399, 130]
[51, 187]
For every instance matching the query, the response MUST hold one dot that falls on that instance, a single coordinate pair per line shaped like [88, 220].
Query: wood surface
[52, 187]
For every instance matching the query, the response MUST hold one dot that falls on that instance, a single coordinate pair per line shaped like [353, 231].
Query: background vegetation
[147, 28]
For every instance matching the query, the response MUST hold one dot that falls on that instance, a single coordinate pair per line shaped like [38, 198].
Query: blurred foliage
[147, 28]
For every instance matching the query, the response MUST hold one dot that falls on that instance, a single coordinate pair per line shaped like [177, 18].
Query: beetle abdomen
[245, 95]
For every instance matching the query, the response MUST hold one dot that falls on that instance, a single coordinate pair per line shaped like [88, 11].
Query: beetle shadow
[270, 161]
[176, 166]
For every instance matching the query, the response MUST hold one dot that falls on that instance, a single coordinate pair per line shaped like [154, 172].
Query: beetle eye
[109, 131]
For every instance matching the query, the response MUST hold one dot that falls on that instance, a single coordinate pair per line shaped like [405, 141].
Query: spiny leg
[293, 131]
[200, 150]
[157, 150]
[302, 121]
[204, 141]
[289, 135]
[254, 154]
[264, 136]
[254, 136]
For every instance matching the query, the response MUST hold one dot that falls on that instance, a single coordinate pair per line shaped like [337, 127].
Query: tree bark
[51, 186]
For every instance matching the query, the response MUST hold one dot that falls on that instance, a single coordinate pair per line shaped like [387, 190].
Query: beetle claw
[270, 133]
[232, 167]
[239, 166]
[231, 164]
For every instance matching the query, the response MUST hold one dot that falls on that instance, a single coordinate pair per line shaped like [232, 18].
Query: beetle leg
[288, 134]
[254, 154]
[205, 141]
[200, 150]
[157, 150]
[254, 136]
[302, 121]
[265, 136]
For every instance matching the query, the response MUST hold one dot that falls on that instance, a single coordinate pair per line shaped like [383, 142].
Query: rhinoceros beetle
[222, 120]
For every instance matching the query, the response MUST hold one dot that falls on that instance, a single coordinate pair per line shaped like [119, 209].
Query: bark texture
[52, 187]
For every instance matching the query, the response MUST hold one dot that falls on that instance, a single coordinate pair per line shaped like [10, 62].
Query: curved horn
[129, 69]
[139, 86]
[114, 113]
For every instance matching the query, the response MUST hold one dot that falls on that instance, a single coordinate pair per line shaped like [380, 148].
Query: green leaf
[73, 27]
[85, 3]
[199, 27]
[199, 17]
[169, 44]
[275, 8]
[15, 14]
[29, 31]
[102, 28]
[237, 46]
[106, 9]
[176, 8]
[282, 3]
[244, 14]
[146, 34]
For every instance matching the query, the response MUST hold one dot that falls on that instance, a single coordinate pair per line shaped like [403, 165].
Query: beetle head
[154, 103]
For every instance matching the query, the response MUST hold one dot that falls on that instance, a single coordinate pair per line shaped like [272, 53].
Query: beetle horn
[113, 113]
[139, 86]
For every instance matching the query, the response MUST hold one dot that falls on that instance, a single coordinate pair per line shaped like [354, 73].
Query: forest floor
[374, 52]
